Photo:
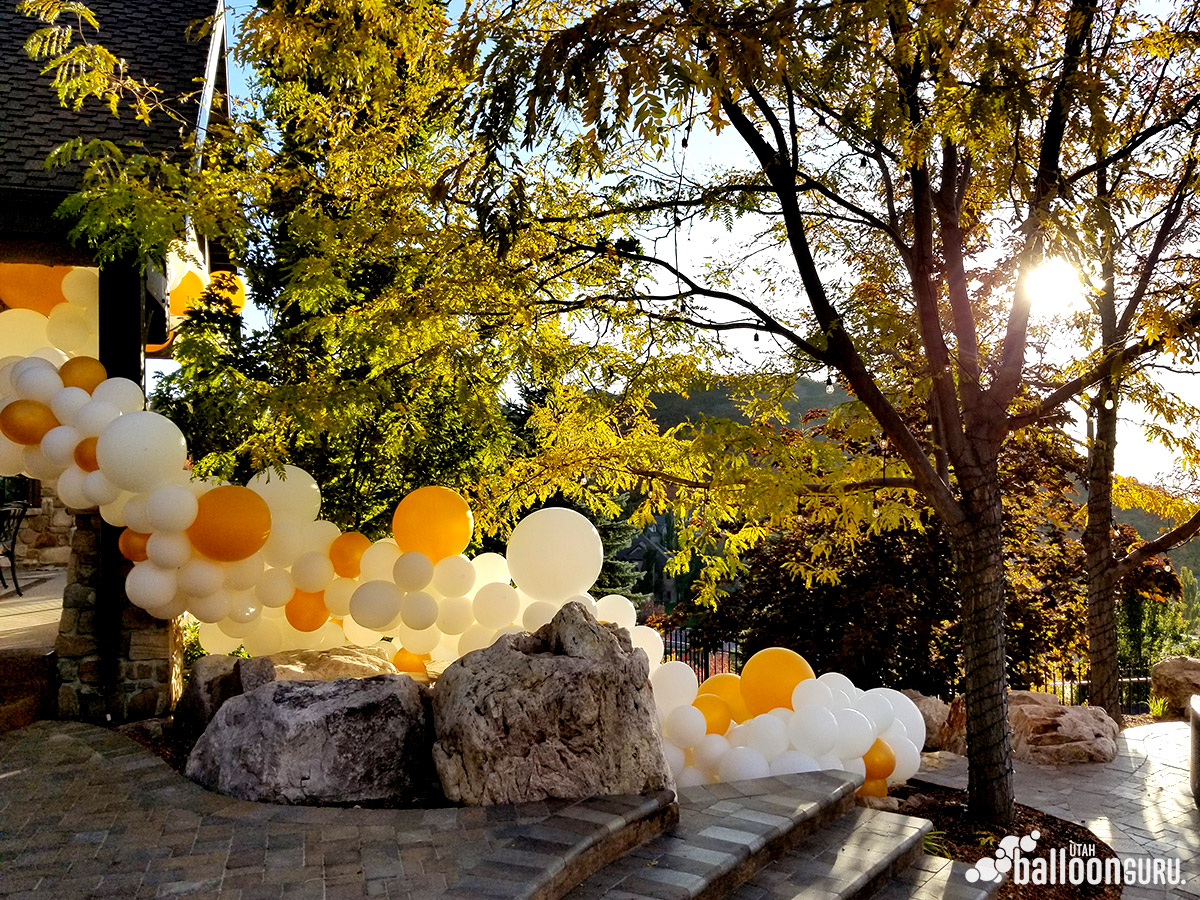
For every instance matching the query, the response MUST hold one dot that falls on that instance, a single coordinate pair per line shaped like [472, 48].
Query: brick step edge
[545, 860]
[936, 878]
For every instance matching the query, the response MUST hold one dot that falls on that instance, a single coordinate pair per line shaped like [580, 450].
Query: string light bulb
[829, 384]
[1110, 401]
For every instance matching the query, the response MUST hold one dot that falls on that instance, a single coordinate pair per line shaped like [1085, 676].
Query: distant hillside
[673, 409]
[1150, 526]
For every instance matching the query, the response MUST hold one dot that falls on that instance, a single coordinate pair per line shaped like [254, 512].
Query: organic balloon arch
[258, 568]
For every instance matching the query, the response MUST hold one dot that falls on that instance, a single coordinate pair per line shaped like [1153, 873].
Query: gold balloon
[31, 286]
[435, 521]
[728, 686]
[770, 676]
[27, 421]
[232, 523]
[82, 372]
[717, 715]
[880, 760]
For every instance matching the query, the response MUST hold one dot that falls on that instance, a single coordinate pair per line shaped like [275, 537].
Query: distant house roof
[152, 36]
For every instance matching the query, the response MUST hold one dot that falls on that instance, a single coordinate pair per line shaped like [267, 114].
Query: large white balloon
[554, 553]
[294, 495]
[141, 450]
[81, 287]
[376, 604]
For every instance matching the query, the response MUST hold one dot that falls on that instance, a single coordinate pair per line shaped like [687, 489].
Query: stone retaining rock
[1046, 731]
[935, 712]
[315, 665]
[1176, 679]
[354, 740]
[567, 712]
[213, 680]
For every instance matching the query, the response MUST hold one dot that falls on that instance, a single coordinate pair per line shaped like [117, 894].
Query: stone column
[148, 655]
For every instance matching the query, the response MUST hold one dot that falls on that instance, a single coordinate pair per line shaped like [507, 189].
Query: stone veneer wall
[145, 678]
[45, 538]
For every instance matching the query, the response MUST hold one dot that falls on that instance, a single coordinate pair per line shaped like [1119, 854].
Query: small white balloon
[338, 594]
[685, 726]
[537, 614]
[40, 384]
[244, 574]
[455, 615]
[148, 585]
[855, 734]
[675, 684]
[171, 508]
[275, 588]
[122, 393]
[616, 609]
[216, 641]
[488, 567]
[907, 712]
[38, 467]
[81, 287]
[768, 735]
[812, 692]
[742, 764]
[876, 706]
[169, 550]
[94, 416]
[320, 535]
[418, 611]
[58, 446]
[418, 640]
[793, 762]
[411, 571]
[70, 488]
[813, 730]
[67, 403]
[375, 604]
[265, 639]
[836, 681]
[475, 638]
[691, 777]
[649, 640]
[587, 601]
[312, 571]
[26, 364]
[358, 635]
[709, 753]
[496, 605]
[102, 492]
[854, 765]
[454, 576]
[245, 608]
[294, 495]
[908, 760]
[675, 758]
[284, 544]
[135, 514]
[200, 577]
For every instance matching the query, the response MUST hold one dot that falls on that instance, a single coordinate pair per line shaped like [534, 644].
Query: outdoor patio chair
[11, 516]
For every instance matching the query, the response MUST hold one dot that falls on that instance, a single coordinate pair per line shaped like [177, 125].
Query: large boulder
[936, 712]
[1175, 680]
[315, 665]
[567, 712]
[213, 680]
[1046, 731]
[354, 740]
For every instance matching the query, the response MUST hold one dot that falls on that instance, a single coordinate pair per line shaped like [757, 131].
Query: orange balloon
[85, 454]
[879, 760]
[151, 349]
[82, 372]
[307, 611]
[228, 286]
[346, 553]
[233, 523]
[31, 286]
[770, 676]
[872, 787]
[407, 661]
[728, 687]
[27, 421]
[132, 545]
[435, 521]
[186, 293]
[716, 712]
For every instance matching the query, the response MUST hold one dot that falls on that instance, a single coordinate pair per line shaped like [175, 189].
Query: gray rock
[354, 740]
[1045, 731]
[567, 712]
[1176, 679]
[935, 712]
[213, 680]
[315, 665]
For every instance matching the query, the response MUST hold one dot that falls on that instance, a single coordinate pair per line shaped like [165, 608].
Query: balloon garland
[259, 570]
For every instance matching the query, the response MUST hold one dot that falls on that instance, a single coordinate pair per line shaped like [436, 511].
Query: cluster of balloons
[53, 311]
[778, 718]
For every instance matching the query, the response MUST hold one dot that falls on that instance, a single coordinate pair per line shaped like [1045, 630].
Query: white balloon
[709, 753]
[418, 611]
[21, 331]
[691, 777]
[122, 393]
[554, 553]
[275, 588]
[829, 762]
[768, 735]
[475, 638]
[419, 640]
[29, 363]
[496, 605]
[908, 761]
[102, 492]
[6, 367]
[12, 456]
[331, 635]
[813, 730]
[294, 495]
[586, 601]
[489, 567]
[38, 467]
[649, 640]
[135, 514]
[895, 733]
[812, 692]
[58, 446]
[876, 706]
[454, 576]
[141, 450]
[412, 571]
[148, 585]
[742, 764]
[94, 416]
[171, 508]
[70, 328]
[81, 287]
[674, 684]
[338, 594]
[172, 609]
[233, 628]
[113, 512]
[907, 712]
[674, 756]
[312, 571]
[320, 535]
[245, 610]
[70, 488]
[616, 609]
[358, 635]
[855, 734]
[284, 544]
[455, 615]
[215, 641]
[40, 384]
[685, 726]
[200, 577]
[265, 639]
[836, 681]
[854, 765]
[738, 735]
[67, 403]
[793, 762]
[244, 574]
[537, 614]
[375, 604]
[169, 550]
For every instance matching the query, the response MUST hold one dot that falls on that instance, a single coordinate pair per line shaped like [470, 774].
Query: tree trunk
[1104, 689]
[978, 549]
